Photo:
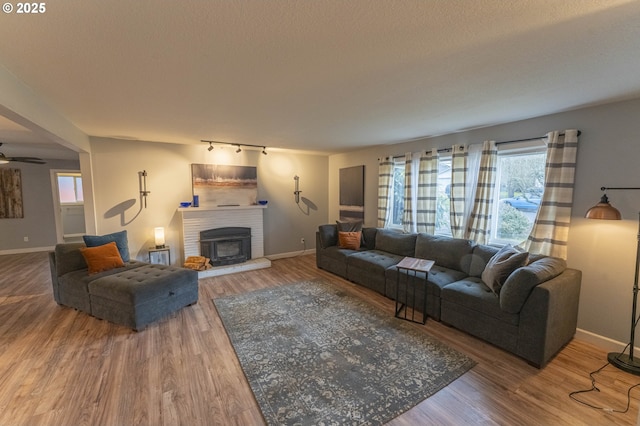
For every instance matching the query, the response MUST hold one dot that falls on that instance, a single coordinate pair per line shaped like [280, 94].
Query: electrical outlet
[301, 240]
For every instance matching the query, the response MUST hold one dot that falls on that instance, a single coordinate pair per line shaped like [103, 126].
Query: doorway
[68, 203]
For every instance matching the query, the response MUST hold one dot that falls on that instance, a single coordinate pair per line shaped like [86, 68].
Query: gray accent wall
[38, 224]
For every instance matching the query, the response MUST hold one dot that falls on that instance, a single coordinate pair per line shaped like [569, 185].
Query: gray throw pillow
[120, 238]
[349, 226]
[501, 265]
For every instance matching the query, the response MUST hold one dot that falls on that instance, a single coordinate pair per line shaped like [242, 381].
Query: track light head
[264, 150]
[238, 150]
[210, 147]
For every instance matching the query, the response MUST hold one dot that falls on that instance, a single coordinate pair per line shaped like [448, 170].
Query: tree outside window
[520, 188]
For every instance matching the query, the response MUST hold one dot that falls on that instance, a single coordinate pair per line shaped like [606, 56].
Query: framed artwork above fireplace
[221, 185]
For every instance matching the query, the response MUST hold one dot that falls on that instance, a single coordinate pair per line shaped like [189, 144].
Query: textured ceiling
[328, 75]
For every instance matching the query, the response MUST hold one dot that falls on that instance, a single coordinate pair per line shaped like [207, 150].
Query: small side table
[160, 256]
[411, 264]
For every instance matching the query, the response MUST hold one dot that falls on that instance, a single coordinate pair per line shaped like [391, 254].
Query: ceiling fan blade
[32, 160]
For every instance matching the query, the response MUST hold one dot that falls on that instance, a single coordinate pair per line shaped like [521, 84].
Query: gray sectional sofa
[533, 316]
[133, 295]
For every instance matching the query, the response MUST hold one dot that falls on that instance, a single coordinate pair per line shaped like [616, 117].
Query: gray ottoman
[140, 296]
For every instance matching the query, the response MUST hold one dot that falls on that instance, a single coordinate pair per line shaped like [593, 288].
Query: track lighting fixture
[239, 146]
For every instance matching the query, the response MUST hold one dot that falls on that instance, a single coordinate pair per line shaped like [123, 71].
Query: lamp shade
[603, 210]
[159, 236]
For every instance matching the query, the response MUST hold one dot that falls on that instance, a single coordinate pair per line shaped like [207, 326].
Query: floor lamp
[604, 210]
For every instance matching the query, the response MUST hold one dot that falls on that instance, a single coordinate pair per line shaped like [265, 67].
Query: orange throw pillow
[349, 240]
[102, 258]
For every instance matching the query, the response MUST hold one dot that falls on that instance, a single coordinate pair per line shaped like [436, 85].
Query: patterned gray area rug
[315, 355]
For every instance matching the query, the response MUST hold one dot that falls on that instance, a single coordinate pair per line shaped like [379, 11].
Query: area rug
[315, 355]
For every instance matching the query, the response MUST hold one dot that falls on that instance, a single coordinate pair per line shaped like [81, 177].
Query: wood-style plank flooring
[63, 367]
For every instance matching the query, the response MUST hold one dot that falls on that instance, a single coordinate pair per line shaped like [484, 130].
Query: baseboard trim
[605, 343]
[27, 250]
[290, 254]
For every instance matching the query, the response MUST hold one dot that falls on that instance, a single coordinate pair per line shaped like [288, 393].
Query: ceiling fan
[33, 160]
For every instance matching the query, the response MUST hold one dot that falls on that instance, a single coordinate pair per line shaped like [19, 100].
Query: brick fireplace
[198, 219]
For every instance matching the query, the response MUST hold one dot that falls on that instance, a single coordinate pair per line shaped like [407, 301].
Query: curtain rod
[529, 139]
[497, 143]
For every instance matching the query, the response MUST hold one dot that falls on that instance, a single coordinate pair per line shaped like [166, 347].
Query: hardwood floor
[63, 367]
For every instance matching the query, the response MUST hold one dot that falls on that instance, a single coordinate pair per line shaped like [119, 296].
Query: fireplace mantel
[216, 208]
[196, 219]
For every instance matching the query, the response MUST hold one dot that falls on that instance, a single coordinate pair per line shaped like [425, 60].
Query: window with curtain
[443, 222]
[531, 188]
[520, 183]
[396, 194]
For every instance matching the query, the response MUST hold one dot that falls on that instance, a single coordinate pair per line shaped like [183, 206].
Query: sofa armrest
[549, 317]
[69, 258]
[326, 236]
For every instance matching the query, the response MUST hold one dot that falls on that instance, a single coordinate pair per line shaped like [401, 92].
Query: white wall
[116, 163]
[608, 155]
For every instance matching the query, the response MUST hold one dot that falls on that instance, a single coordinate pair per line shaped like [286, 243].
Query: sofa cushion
[137, 285]
[396, 242]
[102, 258]
[522, 281]
[81, 279]
[452, 253]
[369, 238]
[337, 253]
[375, 261]
[120, 238]
[479, 259]
[501, 265]
[472, 294]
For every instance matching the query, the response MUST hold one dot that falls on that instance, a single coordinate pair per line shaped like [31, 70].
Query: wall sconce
[143, 186]
[158, 234]
[297, 191]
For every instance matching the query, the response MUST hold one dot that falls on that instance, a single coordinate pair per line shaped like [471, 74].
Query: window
[70, 188]
[520, 184]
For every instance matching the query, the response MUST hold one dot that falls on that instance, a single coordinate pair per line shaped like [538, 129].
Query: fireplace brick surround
[197, 219]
